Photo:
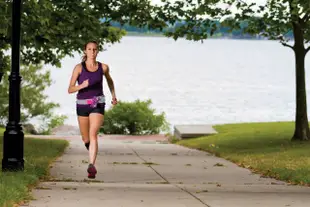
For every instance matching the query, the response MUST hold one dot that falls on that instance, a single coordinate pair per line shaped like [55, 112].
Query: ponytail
[84, 57]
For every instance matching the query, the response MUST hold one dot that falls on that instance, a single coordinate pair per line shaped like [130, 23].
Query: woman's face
[91, 50]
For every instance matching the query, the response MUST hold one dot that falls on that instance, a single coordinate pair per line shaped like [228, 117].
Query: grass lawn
[38, 154]
[265, 148]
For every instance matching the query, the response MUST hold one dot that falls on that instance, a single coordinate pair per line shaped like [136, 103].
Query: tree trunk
[301, 120]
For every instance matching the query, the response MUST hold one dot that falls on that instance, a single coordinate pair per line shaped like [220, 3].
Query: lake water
[215, 82]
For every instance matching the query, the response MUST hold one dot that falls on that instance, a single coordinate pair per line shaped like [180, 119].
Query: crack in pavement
[183, 189]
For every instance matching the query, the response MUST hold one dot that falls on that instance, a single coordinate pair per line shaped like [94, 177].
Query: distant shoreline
[144, 34]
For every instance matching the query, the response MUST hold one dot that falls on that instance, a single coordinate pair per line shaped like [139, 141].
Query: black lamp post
[1, 73]
[1, 68]
[13, 139]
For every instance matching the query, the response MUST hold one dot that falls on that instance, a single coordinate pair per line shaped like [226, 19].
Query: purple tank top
[95, 82]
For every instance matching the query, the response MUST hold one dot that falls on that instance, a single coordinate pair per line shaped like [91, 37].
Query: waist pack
[92, 102]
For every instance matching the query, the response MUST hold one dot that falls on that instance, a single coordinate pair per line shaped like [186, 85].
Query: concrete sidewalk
[133, 172]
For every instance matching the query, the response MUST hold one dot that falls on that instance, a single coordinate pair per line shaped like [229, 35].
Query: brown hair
[85, 56]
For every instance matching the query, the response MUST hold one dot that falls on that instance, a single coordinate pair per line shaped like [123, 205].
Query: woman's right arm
[75, 74]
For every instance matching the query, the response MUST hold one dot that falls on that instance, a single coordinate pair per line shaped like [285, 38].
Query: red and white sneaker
[91, 171]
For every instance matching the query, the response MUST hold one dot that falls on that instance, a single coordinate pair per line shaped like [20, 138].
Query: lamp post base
[13, 149]
[12, 165]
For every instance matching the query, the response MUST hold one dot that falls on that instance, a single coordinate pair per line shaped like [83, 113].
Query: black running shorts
[86, 110]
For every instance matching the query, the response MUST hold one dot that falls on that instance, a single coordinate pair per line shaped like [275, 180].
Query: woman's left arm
[110, 82]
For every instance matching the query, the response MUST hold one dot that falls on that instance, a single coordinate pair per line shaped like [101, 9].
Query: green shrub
[134, 118]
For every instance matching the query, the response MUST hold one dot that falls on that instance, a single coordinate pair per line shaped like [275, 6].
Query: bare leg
[84, 128]
[96, 121]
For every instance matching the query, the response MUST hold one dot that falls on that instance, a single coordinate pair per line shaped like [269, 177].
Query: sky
[258, 2]
[232, 9]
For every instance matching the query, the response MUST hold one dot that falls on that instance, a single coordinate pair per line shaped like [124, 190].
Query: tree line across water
[221, 32]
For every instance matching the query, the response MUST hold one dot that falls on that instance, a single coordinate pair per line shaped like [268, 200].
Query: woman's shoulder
[78, 67]
[105, 67]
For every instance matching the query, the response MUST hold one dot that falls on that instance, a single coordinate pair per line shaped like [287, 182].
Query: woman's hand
[85, 84]
[114, 101]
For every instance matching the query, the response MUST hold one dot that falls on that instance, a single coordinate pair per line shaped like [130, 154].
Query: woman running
[90, 103]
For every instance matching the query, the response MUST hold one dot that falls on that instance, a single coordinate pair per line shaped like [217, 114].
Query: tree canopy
[202, 18]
